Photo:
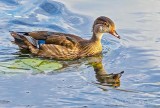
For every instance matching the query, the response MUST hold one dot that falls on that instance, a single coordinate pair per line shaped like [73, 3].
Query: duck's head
[104, 25]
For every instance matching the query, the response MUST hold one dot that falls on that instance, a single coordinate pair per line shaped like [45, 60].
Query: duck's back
[46, 34]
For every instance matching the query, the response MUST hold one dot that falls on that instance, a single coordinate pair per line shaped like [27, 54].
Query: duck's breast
[90, 49]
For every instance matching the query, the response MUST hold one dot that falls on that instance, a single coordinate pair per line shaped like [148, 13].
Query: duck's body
[63, 46]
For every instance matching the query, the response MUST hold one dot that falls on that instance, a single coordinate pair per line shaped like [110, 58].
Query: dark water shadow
[48, 14]
[9, 2]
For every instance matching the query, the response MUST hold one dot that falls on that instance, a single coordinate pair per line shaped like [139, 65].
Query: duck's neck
[92, 46]
[96, 37]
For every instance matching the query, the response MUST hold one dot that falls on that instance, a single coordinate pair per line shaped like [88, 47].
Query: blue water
[75, 86]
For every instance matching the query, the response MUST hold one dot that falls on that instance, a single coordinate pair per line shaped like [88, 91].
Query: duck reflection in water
[101, 74]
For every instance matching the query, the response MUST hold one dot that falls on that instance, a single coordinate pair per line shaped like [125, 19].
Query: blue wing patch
[40, 42]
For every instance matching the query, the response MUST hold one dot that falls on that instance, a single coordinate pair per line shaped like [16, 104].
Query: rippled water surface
[78, 84]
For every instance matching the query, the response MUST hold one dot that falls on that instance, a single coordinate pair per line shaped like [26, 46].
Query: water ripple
[10, 2]
[52, 8]
[137, 54]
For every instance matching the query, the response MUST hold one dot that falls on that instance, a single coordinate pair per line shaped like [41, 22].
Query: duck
[63, 46]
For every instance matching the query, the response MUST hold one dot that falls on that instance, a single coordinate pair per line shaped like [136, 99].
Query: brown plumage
[65, 46]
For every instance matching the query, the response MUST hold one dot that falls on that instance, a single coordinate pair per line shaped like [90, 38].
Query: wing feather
[67, 40]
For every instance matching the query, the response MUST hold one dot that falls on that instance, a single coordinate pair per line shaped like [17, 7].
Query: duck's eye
[106, 24]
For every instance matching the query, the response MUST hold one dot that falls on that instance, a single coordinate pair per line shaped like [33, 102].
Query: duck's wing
[66, 41]
[55, 46]
[37, 38]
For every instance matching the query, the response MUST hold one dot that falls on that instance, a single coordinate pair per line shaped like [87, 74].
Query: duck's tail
[18, 40]
[24, 41]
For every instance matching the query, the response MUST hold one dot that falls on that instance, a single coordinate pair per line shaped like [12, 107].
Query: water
[77, 85]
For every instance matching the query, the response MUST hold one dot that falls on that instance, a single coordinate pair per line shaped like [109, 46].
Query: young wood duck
[63, 46]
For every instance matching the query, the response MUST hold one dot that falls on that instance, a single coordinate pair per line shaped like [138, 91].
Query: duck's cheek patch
[101, 29]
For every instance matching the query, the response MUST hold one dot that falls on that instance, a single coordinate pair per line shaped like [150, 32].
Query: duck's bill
[115, 34]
